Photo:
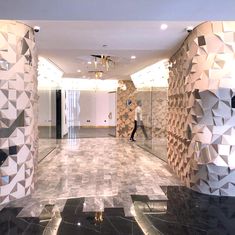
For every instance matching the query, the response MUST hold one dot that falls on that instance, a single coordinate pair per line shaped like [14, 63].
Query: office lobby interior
[117, 118]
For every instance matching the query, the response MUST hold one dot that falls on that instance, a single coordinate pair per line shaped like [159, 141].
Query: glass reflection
[154, 115]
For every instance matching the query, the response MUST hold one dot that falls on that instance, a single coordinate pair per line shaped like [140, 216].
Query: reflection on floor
[187, 212]
[47, 132]
[94, 175]
[104, 171]
[81, 132]
[156, 146]
[71, 221]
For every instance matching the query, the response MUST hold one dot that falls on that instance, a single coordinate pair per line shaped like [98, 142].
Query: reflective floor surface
[83, 177]
[86, 132]
[71, 221]
[187, 213]
[156, 146]
[45, 146]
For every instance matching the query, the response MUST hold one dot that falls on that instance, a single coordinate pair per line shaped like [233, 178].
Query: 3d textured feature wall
[18, 110]
[125, 112]
[154, 109]
[201, 122]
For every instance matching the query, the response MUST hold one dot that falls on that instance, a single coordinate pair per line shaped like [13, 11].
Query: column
[201, 122]
[18, 110]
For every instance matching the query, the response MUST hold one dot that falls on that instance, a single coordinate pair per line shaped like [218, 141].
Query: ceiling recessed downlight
[133, 57]
[164, 26]
[79, 71]
[89, 62]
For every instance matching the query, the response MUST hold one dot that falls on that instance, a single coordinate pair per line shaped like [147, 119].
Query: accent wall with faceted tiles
[201, 109]
[18, 110]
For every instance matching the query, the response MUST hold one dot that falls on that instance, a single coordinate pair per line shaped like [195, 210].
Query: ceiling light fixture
[133, 57]
[79, 71]
[103, 60]
[89, 62]
[98, 74]
[164, 26]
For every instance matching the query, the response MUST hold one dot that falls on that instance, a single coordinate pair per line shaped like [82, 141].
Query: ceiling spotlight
[89, 62]
[164, 26]
[79, 71]
[133, 57]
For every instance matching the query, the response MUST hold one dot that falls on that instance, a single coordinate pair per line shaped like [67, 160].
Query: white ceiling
[69, 44]
[72, 30]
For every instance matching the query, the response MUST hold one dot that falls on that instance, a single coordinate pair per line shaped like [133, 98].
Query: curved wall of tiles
[201, 122]
[18, 110]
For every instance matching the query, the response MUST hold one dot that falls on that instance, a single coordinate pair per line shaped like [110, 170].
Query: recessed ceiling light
[89, 62]
[133, 57]
[164, 26]
[79, 71]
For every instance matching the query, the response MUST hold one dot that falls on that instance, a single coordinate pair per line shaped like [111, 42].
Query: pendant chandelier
[97, 73]
[104, 61]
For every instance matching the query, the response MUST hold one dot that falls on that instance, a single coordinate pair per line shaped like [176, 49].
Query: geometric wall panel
[125, 113]
[18, 110]
[154, 110]
[201, 121]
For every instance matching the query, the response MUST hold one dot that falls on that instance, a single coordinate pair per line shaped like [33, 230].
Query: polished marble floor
[187, 213]
[75, 132]
[156, 146]
[103, 172]
[45, 146]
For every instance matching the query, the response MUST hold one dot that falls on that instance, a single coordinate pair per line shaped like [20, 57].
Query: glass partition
[154, 112]
[90, 114]
[46, 122]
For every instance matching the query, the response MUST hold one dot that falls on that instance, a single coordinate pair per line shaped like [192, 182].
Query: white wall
[92, 108]
[47, 108]
[112, 108]
[87, 104]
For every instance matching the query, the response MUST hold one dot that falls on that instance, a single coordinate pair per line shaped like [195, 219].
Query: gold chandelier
[103, 60]
[97, 73]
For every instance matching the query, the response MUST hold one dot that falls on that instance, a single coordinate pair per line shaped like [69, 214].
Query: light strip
[155, 75]
[89, 84]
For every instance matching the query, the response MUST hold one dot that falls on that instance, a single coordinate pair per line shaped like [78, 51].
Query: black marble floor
[72, 220]
[184, 213]
[188, 212]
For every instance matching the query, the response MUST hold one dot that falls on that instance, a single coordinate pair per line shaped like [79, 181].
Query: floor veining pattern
[106, 171]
